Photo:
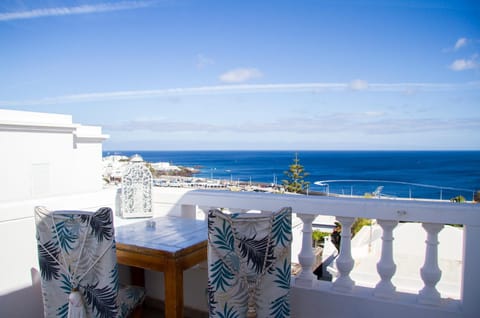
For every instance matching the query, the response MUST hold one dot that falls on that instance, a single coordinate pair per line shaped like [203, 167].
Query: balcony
[310, 297]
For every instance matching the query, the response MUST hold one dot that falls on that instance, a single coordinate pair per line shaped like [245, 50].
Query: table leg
[137, 276]
[173, 290]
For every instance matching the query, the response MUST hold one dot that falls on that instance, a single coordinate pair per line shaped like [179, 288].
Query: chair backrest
[136, 195]
[249, 264]
[76, 252]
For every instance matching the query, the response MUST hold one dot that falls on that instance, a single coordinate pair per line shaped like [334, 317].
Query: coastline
[445, 174]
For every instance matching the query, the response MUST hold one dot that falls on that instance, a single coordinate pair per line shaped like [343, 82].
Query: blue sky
[181, 74]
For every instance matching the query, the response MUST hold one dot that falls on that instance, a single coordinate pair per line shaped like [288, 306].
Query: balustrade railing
[388, 213]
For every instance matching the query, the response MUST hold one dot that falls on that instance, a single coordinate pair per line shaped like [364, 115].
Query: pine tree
[295, 177]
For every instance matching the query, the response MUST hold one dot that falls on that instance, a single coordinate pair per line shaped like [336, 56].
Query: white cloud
[163, 125]
[358, 85]
[240, 75]
[409, 91]
[374, 114]
[204, 61]
[464, 64]
[460, 43]
[369, 123]
[240, 89]
[83, 9]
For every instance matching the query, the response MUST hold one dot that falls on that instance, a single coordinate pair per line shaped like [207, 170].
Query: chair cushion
[249, 264]
[129, 297]
[76, 251]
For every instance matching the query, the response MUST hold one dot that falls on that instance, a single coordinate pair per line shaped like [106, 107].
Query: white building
[113, 166]
[46, 160]
[164, 166]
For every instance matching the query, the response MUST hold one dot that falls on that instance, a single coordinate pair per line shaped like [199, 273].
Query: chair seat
[129, 297]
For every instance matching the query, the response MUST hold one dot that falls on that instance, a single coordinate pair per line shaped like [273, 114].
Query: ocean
[415, 174]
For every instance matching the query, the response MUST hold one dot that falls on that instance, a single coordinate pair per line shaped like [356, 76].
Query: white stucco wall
[47, 155]
[45, 159]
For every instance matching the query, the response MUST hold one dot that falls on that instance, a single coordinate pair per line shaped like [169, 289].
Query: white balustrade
[306, 257]
[345, 261]
[430, 272]
[386, 266]
[310, 298]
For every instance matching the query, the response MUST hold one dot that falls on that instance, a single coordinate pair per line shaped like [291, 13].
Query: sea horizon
[298, 150]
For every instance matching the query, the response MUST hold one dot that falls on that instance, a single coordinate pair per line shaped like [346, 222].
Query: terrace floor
[155, 309]
[150, 312]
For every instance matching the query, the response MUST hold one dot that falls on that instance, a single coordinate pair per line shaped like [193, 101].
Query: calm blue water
[446, 169]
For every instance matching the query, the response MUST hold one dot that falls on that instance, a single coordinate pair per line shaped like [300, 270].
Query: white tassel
[252, 310]
[76, 309]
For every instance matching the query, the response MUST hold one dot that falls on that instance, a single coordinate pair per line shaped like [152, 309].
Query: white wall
[47, 155]
[321, 301]
[45, 159]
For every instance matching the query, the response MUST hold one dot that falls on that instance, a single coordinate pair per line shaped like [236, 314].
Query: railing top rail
[388, 209]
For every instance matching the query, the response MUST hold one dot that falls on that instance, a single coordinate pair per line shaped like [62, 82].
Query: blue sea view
[447, 174]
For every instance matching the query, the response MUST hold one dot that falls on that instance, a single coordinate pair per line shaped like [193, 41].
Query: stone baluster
[430, 272]
[306, 256]
[386, 266]
[188, 211]
[345, 261]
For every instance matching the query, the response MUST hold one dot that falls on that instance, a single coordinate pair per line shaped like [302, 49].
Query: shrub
[458, 199]
[358, 224]
[318, 237]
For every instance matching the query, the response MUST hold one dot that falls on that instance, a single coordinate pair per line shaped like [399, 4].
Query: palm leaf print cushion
[76, 252]
[249, 264]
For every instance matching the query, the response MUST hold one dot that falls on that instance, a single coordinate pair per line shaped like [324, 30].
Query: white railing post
[345, 261]
[189, 211]
[430, 272]
[386, 266]
[471, 264]
[306, 256]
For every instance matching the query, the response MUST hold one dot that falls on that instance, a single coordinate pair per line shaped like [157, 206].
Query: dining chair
[78, 266]
[249, 263]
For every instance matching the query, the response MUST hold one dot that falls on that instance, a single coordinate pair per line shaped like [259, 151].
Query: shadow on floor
[153, 308]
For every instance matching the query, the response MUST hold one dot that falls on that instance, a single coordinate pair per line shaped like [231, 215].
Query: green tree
[357, 225]
[295, 177]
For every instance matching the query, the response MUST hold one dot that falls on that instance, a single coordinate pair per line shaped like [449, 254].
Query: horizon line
[298, 150]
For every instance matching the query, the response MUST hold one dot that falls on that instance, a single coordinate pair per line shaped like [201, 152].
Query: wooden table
[172, 245]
